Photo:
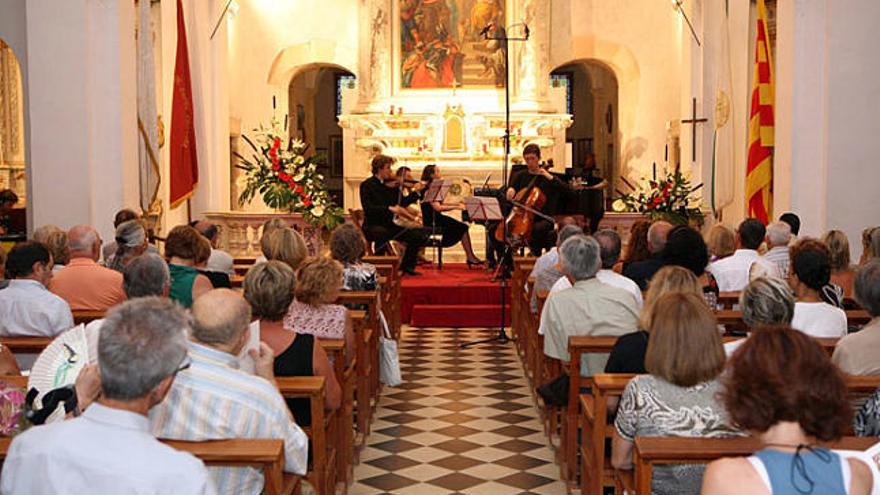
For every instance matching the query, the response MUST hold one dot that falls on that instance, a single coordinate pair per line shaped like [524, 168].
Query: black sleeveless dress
[296, 360]
[451, 229]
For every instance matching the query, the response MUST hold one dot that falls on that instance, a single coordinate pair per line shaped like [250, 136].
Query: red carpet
[452, 297]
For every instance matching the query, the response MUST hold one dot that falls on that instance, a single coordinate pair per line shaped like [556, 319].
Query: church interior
[486, 222]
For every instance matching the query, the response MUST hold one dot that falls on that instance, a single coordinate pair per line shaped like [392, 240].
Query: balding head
[209, 230]
[657, 236]
[221, 318]
[84, 242]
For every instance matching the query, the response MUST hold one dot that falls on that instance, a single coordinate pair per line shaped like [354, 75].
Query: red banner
[184, 163]
[759, 168]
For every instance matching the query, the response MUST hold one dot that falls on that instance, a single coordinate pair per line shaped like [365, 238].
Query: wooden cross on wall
[694, 121]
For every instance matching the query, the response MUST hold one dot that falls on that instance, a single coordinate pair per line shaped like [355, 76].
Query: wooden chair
[322, 432]
[651, 451]
[86, 316]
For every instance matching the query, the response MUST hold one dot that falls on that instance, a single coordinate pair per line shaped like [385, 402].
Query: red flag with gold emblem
[759, 170]
[183, 163]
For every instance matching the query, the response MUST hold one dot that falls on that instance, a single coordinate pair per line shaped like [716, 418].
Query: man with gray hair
[83, 283]
[857, 353]
[641, 272]
[589, 307]
[766, 301]
[609, 252]
[778, 238]
[109, 449]
[213, 399]
[545, 270]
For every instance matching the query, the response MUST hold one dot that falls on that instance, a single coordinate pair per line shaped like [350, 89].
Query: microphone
[486, 29]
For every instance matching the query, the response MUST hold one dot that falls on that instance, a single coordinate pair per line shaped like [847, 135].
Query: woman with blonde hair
[269, 288]
[285, 245]
[842, 272]
[313, 311]
[870, 244]
[678, 397]
[721, 241]
[57, 242]
[628, 354]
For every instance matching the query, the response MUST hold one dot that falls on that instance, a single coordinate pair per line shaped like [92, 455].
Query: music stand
[482, 208]
[437, 191]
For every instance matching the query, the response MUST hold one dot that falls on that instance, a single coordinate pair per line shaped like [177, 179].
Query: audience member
[313, 311]
[8, 199]
[131, 242]
[83, 283]
[641, 271]
[220, 261]
[870, 244]
[765, 302]
[721, 241]
[782, 388]
[810, 272]
[842, 272]
[637, 246]
[678, 397]
[686, 248]
[546, 270]
[27, 308]
[857, 353]
[733, 273]
[285, 245]
[794, 222]
[628, 353]
[41, 233]
[347, 246]
[778, 238]
[109, 449]
[268, 287]
[122, 216]
[58, 244]
[213, 399]
[185, 248]
[268, 226]
[589, 307]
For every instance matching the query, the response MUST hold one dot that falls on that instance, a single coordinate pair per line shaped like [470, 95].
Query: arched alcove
[592, 97]
[12, 135]
[315, 95]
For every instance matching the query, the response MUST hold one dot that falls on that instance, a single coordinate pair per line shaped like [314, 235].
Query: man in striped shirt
[213, 399]
[778, 237]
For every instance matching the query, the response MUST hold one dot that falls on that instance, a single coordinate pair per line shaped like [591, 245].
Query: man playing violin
[534, 176]
[381, 199]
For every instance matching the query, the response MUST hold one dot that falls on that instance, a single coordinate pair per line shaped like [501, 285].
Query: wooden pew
[266, 454]
[728, 299]
[86, 316]
[364, 372]
[346, 377]
[389, 268]
[372, 301]
[651, 451]
[322, 432]
[26, 345]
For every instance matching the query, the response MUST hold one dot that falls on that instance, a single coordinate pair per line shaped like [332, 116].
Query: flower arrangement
[670, 198]
[286, 178]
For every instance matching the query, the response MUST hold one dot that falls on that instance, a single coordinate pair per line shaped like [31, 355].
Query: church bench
[86, 316]
[365, 364]
[322, 433]
[733, 318]
[596, 470]
[26, 345]
[652, 451]
[266, 454]
[237, 281]
[346, 376]
[372, 301]
[728, 299]
[389, 268]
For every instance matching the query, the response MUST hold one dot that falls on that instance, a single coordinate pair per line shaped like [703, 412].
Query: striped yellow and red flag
[759, 170]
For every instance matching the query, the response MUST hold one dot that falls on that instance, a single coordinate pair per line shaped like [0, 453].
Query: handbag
[555, 392]
[389, 359]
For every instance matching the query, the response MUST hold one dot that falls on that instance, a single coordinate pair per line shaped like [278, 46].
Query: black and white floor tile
[463, 422]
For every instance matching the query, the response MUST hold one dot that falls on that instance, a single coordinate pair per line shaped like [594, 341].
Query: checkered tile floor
[463, 422]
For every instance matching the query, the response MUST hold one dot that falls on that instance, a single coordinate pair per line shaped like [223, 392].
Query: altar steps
[452, 297]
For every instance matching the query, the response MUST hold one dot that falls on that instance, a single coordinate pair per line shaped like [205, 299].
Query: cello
[518, 224]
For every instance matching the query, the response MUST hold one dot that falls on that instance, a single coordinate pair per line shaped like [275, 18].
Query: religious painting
[449, 44]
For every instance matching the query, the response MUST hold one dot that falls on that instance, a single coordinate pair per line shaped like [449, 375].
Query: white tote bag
[389, 360]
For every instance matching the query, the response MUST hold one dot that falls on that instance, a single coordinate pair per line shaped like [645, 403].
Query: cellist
[543, 235]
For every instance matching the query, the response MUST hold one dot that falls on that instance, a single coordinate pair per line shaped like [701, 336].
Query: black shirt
[641, 272]
[551, 188]
[376, 197]
[628, 354]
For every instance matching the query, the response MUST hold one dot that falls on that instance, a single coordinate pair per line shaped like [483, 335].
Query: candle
[273, 102]
[655, 170]
[666, 153]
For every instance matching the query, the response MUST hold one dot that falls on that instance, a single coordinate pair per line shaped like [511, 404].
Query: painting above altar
[442, 44]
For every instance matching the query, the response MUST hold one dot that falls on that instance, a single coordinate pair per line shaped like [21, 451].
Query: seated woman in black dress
[453, 231]
[268, 287]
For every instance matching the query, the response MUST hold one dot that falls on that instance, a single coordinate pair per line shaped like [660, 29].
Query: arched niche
[12, 129]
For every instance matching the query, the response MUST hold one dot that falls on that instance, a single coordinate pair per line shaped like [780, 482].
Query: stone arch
[315, 53]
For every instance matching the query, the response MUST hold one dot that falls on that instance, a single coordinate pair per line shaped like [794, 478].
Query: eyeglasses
[185, 364]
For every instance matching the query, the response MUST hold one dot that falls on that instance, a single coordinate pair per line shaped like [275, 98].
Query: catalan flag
[759, 169]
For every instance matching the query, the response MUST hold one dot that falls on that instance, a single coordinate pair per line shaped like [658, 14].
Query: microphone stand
[501, 337]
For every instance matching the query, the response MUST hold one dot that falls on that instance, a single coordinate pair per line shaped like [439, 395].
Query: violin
[414, 218]
[395, 182]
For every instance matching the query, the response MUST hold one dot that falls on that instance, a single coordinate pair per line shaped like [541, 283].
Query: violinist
[381, 202]
[451, 229]
[542, 235]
